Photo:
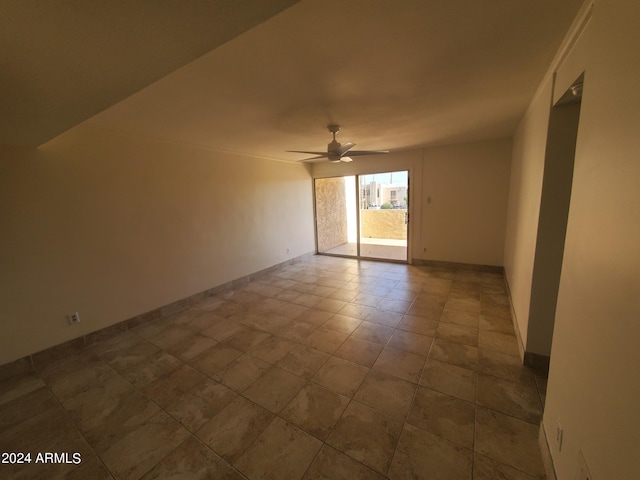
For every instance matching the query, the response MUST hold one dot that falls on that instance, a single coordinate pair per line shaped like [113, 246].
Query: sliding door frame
[358, 255]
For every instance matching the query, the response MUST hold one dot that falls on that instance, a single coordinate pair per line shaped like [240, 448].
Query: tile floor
[330, 368]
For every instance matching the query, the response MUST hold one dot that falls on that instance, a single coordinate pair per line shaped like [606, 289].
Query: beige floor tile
[241, 372]
[356, 311]
[281, 451]
[315, 316]
[411, 342]
[504, 366]
[422, 455]
[23, 407]
[307, 299]
[367, 436]
[423, 326]
[394, 305]
[330, 464]
[272, 348]
[385, 317]
[298, 331]
[508, 440]
[288, 295]
[466, 319]
[332, 305]
[315, 410]
[19, 385]
[167, 390]
[228, 308]
[246, 338]
[69, 382]
[291, 310]
[428, 311]
[373, 332]
[367, 300]
[458, 354]
[413, 368]
[519, 399]
[388, 394]
[169, 336]
[443, 415]
[199, 320]
[342, 323]
[303, 361]
[500, 342]
[341, 376]
[191, 347]
[404, 292]
[50, 431]
[457, 333]
[215, 359]
[484, 468]
[151, 368]
[222, 329]
[234, 428]
[326, 340]
[450, 379]
[398, 363]
[274, 389]
[200, 404]
[91, 467]
[496, 322]
[106, 415]
[360, 351]
[137, 452]
[467, 304]
[326, 290]
[345, 296]
[194, 461]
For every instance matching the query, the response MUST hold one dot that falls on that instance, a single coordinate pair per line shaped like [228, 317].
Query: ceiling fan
[336, 152]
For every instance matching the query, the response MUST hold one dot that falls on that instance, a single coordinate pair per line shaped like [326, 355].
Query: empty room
[312, 239]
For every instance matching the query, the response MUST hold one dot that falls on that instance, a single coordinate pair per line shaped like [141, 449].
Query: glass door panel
[336, 223]
[384, 203]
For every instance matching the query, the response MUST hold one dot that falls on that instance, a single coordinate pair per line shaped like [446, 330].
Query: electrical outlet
[73, 318]
[559, 433]
[583, 470]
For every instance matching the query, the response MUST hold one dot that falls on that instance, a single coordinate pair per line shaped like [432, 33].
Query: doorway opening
[364, 216]
[562, 134]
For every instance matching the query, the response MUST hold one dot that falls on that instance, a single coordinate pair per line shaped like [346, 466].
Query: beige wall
[113, 226]
[457, 198]
[525, 192]
[465, 202]
[594, 384]
[383, 223]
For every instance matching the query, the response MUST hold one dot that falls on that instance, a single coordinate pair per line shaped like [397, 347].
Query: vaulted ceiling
[260, 77]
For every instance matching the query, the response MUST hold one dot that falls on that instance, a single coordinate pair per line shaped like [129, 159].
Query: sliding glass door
[363, 216]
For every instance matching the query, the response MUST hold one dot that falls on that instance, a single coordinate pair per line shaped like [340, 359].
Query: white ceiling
[394, 75]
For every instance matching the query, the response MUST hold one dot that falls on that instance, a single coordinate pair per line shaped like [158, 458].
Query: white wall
[113, 226]
[594, 380]
[465, 219]
[458, 198]
[525, 190]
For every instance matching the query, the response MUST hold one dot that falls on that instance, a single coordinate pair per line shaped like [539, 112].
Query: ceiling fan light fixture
[337, 152]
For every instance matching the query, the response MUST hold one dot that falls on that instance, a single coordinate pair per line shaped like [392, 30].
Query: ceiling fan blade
[358, 153]
[312, 158]
[322, 154]
[344, 149]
